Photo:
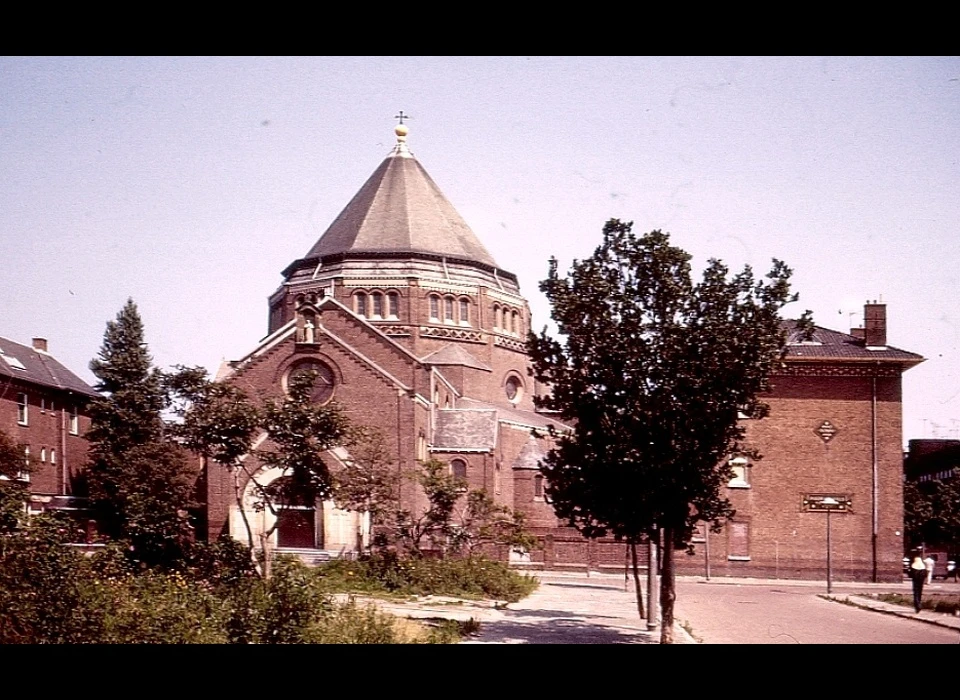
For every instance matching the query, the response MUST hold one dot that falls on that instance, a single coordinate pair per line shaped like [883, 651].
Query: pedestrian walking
[918, 573]
[930, 562]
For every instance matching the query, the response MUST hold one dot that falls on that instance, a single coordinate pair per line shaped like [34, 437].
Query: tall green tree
[138, 479]
[653, 371]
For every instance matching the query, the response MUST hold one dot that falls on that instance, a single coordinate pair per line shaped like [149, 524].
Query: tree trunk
[636, 577]
[668, 593]
[265, 554]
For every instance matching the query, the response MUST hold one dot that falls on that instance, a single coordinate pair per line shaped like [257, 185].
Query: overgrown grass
[473, 577]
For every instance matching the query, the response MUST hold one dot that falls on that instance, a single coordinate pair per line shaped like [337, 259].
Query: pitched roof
[530, 455]
[829, 345]
[35, 366]
[401, 210]
[454, 354]
[472, 429]
[518, 416]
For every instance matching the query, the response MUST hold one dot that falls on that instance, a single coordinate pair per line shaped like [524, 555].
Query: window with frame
[361, 303]
[741, 473]
[448, 310]
[738, 541]
[434, 307]
[23, 409]
[74, 420]
[464, 312]
[377, 299]
[514, 326]
[538, 492]
[53, 456]
[496, 317]
[393, 305]
[458, 468]
[25, 474]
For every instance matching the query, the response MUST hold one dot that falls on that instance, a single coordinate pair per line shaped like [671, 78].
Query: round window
[324, 379]
[514, 388]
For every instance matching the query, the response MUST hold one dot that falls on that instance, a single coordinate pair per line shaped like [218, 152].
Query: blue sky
[188, 184]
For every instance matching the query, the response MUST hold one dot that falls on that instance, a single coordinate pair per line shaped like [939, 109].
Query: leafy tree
[223, 425]
[14, 491]
[931, 512]
[653, 371]
[457, 520]
[139, 481]
[369, 482]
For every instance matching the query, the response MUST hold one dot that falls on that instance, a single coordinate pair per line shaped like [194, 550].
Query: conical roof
[401, 210]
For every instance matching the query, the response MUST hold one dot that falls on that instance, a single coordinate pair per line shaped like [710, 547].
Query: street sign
[819, 502]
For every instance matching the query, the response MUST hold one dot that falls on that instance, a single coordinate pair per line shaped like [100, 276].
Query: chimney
[40, 344]
[875, 324]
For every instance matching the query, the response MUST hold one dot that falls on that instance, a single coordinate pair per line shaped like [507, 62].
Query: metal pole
[829, 567]
[651, 585]
[706, 547]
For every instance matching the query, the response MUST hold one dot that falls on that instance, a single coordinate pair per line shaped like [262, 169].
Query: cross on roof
[402, 116]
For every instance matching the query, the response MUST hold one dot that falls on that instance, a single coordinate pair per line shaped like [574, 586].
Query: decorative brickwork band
[509, 343]
[800, 369]
[455, 333]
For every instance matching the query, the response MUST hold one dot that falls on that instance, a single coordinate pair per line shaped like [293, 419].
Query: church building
[415, 330]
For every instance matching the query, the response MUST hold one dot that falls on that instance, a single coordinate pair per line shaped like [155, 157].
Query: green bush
[471, 577]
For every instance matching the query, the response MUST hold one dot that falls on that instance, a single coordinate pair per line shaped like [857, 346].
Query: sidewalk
[565, 609]
[930, 617]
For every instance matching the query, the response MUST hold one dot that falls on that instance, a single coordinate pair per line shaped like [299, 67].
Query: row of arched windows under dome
[507, 320]
[377, 305]
[449, 309]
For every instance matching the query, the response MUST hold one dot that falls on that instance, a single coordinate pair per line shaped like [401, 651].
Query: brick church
[414, 329]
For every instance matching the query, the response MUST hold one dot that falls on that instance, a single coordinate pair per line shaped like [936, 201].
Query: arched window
[393, 305]
[464, 312]
[514, 326]
[377, 299]
[513, 388]
[434, 307]
[496, 316]
[361, 298]
[448, 309]
[458, 468]
[538, 487]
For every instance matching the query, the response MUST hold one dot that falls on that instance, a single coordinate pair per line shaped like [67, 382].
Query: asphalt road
[782, 612]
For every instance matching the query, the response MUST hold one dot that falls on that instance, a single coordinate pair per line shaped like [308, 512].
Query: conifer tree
[653, 371]
[138, 480]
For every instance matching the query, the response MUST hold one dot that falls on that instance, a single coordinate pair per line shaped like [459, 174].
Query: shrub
[472, 577]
